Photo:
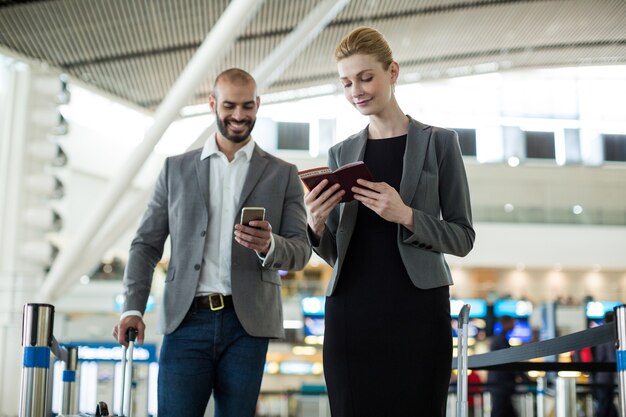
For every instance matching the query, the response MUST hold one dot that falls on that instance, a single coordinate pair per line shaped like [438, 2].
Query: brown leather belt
[213, 302]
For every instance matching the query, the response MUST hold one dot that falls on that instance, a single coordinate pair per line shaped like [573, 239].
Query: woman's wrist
[317, 230]
[407, 220]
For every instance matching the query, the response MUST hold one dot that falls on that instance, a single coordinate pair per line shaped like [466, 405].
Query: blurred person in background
[502, 383]
[604, 393]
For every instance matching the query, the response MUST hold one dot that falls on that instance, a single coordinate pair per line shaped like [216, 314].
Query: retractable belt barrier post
[461, 387]
[37, 328]
[68, 404]
[620, 315]
[541, 382]
[565, 396]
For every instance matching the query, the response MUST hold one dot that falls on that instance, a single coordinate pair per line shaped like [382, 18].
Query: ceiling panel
[136, 49]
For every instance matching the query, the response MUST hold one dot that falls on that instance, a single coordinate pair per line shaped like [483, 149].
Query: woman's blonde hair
[366, 41]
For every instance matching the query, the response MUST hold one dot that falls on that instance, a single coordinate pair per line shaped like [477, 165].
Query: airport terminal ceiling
[135, 50]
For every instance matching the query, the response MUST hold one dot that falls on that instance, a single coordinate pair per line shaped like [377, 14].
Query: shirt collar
[210, 148]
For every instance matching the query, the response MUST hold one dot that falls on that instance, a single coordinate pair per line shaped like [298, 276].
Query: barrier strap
[36, 357]
[59, 351]
[69, 376]
[553, 366]
[575, 341]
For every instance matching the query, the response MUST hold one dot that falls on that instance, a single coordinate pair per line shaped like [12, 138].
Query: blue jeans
[210, 352]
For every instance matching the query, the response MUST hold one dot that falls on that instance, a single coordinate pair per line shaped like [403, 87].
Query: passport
[345, 176]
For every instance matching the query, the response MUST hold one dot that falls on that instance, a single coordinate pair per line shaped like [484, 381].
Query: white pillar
[17, 282]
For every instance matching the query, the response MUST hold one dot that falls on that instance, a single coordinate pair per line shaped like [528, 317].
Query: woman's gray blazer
[434, 185]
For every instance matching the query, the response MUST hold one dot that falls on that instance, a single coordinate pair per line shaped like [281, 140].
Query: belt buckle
[214, 306]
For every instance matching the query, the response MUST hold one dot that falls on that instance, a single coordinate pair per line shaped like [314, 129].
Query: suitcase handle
[102, 410]
[131, 334]
[127, 370]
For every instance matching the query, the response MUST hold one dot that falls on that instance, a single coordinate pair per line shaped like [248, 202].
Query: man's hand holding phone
[253, 231]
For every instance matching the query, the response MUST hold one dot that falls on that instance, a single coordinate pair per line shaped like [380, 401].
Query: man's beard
[223, 129]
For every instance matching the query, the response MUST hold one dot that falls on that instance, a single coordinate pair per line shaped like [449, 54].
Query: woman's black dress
[387, 344]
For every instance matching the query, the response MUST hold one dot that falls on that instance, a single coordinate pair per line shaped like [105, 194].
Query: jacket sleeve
[291, 250]
[326, 245]
[453, 232]
[146, 248]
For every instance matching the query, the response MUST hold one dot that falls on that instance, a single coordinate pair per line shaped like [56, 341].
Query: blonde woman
[388, 342]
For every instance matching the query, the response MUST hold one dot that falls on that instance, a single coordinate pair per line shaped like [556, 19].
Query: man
[502, 383]
[221, 302]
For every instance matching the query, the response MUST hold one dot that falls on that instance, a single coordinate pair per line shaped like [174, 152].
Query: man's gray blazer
[433, 184]
[179, 208]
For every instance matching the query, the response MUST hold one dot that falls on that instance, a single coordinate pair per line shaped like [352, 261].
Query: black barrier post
[620, 315]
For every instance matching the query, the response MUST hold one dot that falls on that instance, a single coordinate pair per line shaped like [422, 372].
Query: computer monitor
[478, 308]
[518, 309]
[597, 309]
[522, 331]
[313, 315]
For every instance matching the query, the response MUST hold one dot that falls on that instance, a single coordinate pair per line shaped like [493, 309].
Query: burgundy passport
[345, 176]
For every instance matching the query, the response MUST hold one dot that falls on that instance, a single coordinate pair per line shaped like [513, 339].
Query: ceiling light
[513, 161]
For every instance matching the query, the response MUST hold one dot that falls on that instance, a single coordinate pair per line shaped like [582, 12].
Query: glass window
[540, 145]
[614, 147]
[293, 136]
[467, 141]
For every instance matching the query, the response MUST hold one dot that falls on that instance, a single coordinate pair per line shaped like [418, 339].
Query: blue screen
[478, 308]
[597, 309]
[521, 331]
[313, 306]
[313, 325]
[514, 308]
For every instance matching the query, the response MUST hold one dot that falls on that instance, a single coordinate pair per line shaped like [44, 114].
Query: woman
[388, 342]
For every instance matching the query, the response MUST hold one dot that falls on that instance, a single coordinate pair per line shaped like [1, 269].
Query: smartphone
[252, 213]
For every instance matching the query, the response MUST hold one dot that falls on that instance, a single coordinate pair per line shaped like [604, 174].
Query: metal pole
[565, 396]
[37, 326]
[68, 401]
[307, 30]
[620, 355]
[287, 51]
[461, 384]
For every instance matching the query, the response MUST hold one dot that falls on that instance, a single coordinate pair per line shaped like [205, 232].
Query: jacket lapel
[353, 150]
[417, 142]
[255, 170]
[203, 171]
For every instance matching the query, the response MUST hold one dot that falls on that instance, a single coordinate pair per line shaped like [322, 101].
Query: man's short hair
[235, 76]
